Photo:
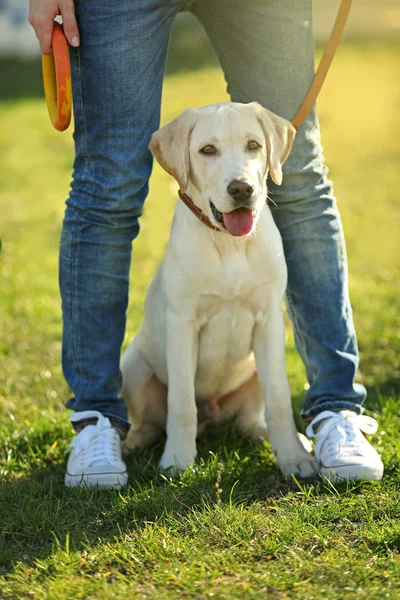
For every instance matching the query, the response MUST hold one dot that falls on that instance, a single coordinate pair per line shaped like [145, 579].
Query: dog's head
[224, 152]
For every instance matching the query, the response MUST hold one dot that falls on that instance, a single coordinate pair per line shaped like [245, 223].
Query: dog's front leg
[181, 349]
[269, 350]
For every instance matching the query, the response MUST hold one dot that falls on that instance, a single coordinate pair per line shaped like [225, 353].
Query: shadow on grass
[39, 514]
[390, 387]
[189, 50]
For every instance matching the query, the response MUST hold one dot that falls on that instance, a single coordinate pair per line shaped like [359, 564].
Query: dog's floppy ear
[279, 135]
[170, 146]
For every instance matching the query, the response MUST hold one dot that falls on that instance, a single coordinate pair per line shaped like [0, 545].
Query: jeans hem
[333, 406]
[118, 420]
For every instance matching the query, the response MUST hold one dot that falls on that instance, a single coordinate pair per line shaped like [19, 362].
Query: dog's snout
[240, 190]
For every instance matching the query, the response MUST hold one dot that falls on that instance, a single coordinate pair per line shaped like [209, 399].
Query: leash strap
[324, 65]
[308, 101]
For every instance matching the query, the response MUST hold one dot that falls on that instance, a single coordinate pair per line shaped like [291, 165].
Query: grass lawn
[231, 527]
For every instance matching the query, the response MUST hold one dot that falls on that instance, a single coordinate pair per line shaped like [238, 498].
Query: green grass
[231, 527]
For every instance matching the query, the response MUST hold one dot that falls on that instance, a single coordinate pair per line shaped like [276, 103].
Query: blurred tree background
[19, 50]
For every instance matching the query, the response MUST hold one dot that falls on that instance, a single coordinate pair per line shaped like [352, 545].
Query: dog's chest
[229, 307]
[237, 278]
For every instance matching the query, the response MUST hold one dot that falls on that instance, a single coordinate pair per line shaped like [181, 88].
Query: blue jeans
[265, 48]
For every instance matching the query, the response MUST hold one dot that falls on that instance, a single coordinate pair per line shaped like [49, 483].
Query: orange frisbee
[57, 80]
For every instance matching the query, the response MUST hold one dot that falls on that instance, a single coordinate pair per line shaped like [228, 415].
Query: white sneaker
[341, 448]
[95, 455]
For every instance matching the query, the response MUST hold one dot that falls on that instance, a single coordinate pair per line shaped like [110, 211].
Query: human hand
[41, 17]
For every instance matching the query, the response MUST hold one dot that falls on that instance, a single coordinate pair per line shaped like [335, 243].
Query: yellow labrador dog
[211, 345]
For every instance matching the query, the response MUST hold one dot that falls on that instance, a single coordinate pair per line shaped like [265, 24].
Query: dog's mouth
[217, 214]
[238, 222]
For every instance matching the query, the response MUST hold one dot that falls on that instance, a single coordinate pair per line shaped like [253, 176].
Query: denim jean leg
[266, 49]
[117, 75]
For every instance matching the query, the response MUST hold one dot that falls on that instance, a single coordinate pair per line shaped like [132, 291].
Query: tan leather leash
[310, 98]
[323, 67]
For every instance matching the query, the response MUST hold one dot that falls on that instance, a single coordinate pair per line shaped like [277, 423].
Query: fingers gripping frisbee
[57, 80]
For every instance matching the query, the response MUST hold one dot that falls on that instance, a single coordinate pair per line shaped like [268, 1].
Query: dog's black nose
[240, 190]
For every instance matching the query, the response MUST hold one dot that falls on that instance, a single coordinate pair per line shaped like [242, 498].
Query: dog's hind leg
[250, 419]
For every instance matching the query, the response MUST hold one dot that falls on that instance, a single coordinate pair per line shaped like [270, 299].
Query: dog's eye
[253, 145]
[209, 149]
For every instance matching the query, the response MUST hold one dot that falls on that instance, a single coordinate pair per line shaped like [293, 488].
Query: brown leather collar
[197, 211]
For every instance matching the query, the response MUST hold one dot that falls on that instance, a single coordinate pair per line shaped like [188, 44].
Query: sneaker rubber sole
[353, 472]
[105, 481]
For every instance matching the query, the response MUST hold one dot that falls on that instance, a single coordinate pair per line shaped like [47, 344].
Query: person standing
[118, 56]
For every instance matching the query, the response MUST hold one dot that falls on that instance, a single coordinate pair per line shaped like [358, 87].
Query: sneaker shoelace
[97, 444]
[342, 431]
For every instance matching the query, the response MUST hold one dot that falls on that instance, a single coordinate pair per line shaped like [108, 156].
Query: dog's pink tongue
[239, 221]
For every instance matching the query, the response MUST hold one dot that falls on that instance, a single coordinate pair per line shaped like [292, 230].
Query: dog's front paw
[177, 459]
[301, 465]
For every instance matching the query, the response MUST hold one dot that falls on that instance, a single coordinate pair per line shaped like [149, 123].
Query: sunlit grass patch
[230, 527]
